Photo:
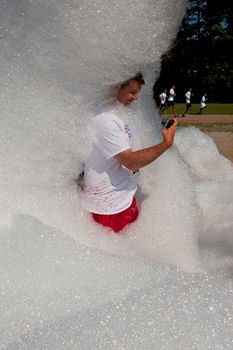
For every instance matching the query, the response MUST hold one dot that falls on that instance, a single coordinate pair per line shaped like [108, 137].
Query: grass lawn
[211, 109]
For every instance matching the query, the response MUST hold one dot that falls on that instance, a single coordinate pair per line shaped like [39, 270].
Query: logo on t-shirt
[128, 131]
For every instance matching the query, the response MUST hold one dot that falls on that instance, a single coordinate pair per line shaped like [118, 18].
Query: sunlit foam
[66, 282]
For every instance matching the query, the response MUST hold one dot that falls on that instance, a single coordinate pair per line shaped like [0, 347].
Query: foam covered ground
[166, 283]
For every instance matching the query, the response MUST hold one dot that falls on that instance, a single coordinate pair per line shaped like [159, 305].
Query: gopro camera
[166, 123]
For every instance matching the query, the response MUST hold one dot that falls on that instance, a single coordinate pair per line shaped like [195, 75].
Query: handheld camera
[166, 123]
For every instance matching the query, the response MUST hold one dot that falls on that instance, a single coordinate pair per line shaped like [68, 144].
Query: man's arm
[138, 159]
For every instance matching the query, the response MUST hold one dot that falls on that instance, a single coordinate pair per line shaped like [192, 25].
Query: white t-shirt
[163, 97]
[171, 94]
[188, 97]
[109, 186]
[203, 99]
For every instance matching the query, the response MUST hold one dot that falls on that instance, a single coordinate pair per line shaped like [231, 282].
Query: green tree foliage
[201, 56]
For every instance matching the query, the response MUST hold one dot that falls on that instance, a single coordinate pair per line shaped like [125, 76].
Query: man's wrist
[166, 144]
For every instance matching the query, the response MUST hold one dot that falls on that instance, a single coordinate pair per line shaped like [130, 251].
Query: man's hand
[168, 134]
[138, 159]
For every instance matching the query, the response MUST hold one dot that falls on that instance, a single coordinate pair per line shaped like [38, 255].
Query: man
[109, 180]
[163, 104]
[188, 104]
[203, 102]
[171, 99]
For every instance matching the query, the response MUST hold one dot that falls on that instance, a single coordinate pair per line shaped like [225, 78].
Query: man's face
[128, 93]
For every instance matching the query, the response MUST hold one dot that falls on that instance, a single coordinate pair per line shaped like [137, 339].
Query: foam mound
[66, 283]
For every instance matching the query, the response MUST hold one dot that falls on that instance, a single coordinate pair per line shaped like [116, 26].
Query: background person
[109, 182]
[188, 104]
[163, 104]
[171, 99]
[203, 102]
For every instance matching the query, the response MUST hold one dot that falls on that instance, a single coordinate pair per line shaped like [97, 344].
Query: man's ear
[117, 88]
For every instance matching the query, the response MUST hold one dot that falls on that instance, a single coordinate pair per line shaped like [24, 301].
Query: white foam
[66, 282]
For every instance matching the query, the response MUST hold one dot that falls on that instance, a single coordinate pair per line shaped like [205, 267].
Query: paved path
[223, 140]
[197, 118]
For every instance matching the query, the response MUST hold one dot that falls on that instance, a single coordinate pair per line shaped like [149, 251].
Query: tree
[201, 56]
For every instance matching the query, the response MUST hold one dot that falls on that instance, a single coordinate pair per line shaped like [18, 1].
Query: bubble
[66, 282]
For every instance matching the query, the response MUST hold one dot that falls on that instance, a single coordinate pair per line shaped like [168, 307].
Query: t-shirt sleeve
[111, 138]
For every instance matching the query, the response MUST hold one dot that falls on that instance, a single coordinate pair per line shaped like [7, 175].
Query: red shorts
[118, 221]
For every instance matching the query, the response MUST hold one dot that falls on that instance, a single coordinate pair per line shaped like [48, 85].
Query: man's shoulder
[105, 114]
[106, 119]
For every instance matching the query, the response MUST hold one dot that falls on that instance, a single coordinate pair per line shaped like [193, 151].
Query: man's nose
[135, 97]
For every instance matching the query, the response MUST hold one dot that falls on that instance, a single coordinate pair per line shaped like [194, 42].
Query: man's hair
[138, 77]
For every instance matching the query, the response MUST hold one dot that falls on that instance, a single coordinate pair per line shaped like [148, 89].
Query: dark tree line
[202, 55]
